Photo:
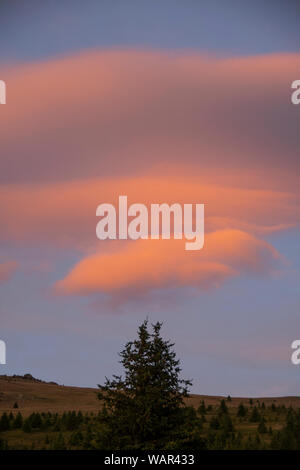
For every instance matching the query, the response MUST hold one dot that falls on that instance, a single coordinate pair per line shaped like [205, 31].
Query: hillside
[35, 395]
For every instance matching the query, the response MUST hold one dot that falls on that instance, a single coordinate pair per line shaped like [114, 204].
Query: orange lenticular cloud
[65, 213]
[140, 108]
[159, 127]
[144, 265]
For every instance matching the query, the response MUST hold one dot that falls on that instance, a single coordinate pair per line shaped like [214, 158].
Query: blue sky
[33, 30]
[231, 340]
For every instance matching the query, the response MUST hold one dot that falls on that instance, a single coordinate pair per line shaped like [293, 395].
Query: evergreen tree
[242, 411]
[3, 444]
[262, 428]
[145, 408]
[223, 408]
[35, 420]
[4, 422]
[71, 421]
[255, 416]
[202, 408]
[214, 423]
[59, 443]
[76, 439]
[18, 423]
[226, 424]
[79, 418]
[27, 426]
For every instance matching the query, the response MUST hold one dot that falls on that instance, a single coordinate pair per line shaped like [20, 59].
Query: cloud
[138, 109]
[64, 214]
[157, 127]
[145, 265]
[7, 270]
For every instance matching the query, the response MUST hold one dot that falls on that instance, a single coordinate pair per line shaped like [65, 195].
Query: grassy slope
[35, 396]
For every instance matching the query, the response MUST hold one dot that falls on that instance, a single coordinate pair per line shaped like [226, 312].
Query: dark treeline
[205, 428]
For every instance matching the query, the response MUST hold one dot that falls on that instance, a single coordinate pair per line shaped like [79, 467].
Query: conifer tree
[255, 415]
[18, 423]
[262, 428]
[242, 411]
[4, 422]
[145, 408]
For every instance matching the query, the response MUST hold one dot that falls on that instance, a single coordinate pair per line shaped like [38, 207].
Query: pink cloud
[158, 127]
[141, 108]
[64, 214]
[145, 265]
[7, 270]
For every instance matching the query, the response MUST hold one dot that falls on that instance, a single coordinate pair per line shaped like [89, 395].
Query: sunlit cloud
[145, 265]
[65, 213]
[139, 109]
[158, 127]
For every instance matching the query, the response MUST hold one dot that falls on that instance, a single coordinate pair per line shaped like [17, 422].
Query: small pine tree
[76, 439]
[226, 424]
[35, 420]
[257, 442]
[3, 444]
[255, 416]
[59, 443]
[18, 423]
[223, 408]
[27, 426]
[202, 408]
[202, 420]
[79, 418]
[71, 422]
[4, 422]
[262, 428]
[242, 411]
[214, 423]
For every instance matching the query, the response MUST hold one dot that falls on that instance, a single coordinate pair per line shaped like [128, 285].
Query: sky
[164, 101]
